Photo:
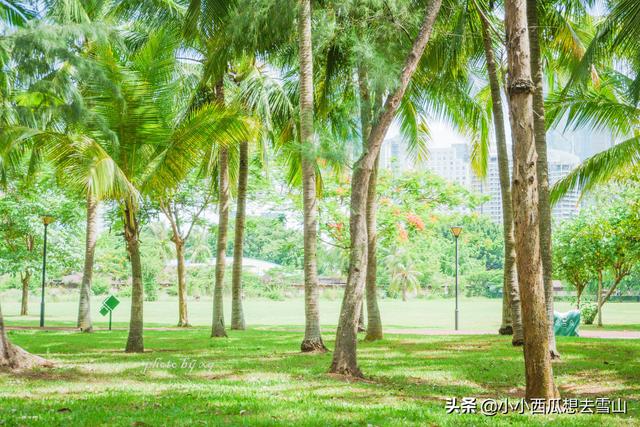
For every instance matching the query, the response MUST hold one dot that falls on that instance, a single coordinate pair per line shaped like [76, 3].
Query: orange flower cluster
[416, 221]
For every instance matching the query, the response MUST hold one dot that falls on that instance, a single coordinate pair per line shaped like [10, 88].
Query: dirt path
[583, 333]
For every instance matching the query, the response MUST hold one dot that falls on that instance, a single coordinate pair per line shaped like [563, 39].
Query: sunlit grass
[258, 377]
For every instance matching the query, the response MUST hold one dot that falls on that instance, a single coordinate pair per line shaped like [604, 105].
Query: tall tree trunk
[512, 317]
[374, 323]
[25, 279]
[237, 314]
[218, 329]
[538, 369]
[135, 341]
[84, 306]
[344, 357]
[600, 298]
[14, 357]
[312, 338]
[544, 205]
[183, 314]
[579, 293]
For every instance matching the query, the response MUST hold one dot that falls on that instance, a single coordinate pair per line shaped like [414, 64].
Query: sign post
[108, 305]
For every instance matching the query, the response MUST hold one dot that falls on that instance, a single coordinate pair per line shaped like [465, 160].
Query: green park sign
[108, 305]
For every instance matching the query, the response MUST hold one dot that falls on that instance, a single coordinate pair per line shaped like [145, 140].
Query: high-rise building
[451, 163]
[560, 164]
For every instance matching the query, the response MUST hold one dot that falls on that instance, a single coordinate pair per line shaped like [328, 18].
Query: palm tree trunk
[135, 341]
[84, 306]
[538, 369]
[511, 314]
[25, 278]
[374, 323]
[312, 338]
[544, 206]
[600, 298]
[237, 315]
[218, 328]
[344, 357]
[183, 315]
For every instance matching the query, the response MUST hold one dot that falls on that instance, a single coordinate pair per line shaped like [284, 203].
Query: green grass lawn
[475, 313]
[258, 377]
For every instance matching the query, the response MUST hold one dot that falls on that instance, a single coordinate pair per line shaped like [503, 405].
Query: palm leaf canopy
[138, 133]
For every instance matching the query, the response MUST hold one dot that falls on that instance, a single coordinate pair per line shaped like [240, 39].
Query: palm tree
[13, 13]
[539, 373]
[147, 150]
[600, 96]
[403, 277]
[312, 339]
[511, 315]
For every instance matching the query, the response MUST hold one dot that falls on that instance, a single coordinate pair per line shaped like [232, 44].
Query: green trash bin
[566, 324]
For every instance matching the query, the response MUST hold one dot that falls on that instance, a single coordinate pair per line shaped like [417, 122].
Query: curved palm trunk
[312, 338]
[183, 314]
[237, 315]
[84, 306]
[538, 369]
[14, 357]
[218, 328]
[544, 207]
[135, 341]
[344, 356]
[511, 314]
[25, 279]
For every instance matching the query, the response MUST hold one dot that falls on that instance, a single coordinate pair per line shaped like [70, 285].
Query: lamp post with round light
[456, 230]
[46, 220]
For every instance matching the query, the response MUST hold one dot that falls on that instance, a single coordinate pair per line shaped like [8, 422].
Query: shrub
[100, 285]
[588, 313]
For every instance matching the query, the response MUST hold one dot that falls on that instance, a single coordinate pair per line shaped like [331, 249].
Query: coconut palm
[127, 157]
[601, 96]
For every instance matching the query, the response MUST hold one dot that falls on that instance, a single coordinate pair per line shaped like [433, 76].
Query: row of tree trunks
[511, 312]
[367, 110]
[84, 306]
[344, 356]
[237, 314]
[312, 340]
[538, 369]
[135, 341]
[544, 205]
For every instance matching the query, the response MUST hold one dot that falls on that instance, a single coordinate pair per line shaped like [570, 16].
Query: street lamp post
[46, 220]
[456, 230]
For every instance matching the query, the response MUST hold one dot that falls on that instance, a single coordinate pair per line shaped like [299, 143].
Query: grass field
[258, 377]
[475, 313]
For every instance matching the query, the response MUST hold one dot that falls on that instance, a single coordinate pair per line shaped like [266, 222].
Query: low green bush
[588, 312]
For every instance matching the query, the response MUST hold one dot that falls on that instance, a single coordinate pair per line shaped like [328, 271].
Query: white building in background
[394, 155]
[560, 164]
[451, 163]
